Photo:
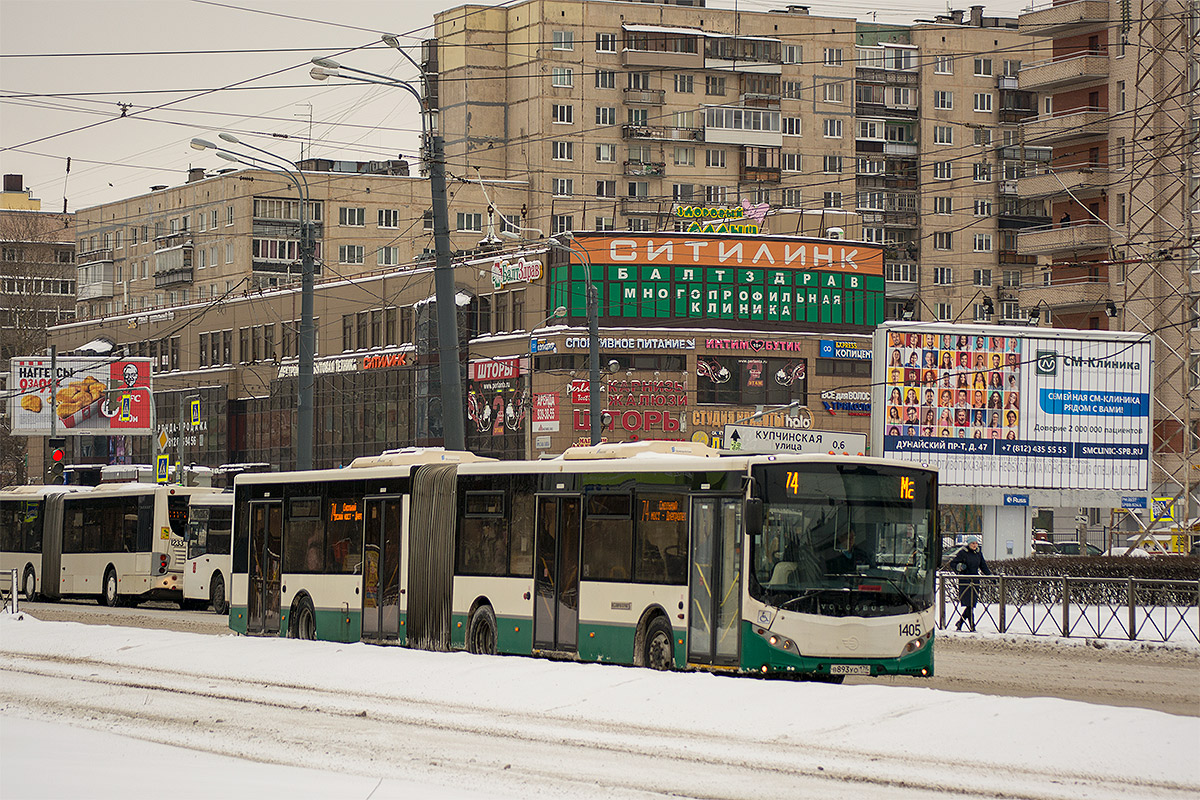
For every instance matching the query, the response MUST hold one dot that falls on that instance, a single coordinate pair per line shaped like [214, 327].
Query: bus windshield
[209, 529]
[844, 540]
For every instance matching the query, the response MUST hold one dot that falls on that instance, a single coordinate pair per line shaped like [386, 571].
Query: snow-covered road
[456, 725]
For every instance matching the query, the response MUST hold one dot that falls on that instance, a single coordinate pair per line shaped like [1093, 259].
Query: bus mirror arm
[754, 516]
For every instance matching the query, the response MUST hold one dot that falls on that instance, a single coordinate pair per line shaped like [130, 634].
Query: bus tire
[217, 594]
[29, 582]
[658, 651]
[481, 632]
[108, 590]
[303, 620]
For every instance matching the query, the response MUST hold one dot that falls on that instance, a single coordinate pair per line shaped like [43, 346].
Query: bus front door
[716, 581]
[266, 546]
[381, 570]
[556, 578]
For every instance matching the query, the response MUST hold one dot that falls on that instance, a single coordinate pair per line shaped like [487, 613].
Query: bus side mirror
[754, 516]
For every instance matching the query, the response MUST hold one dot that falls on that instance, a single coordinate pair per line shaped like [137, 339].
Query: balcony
[899, 149]
[1015, 116]
[661, 59]
[1082, 290]
[752, 174]
[759, 99]
[1089, 66]
[891, 77]
[94, 257]
[1008, 188]
[662, 133]
[649, 169]
[1045, 240]
[172, 277]
[1077, 123]
[645, 206]
[1025, 153]
[1063, 19]
[1073, 178]
[646, 97]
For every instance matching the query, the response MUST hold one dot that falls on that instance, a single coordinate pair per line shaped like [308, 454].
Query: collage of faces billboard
[1015, 407]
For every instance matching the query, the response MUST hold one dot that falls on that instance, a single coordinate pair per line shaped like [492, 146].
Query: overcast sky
[172, 86]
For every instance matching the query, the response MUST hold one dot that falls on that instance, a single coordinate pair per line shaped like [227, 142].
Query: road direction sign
[754, 439]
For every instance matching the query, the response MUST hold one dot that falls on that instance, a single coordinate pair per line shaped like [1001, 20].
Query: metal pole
[453, 431]
[308, 342]
[593, 312]
[179, 447]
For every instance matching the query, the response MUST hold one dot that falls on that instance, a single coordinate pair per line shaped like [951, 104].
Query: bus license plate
[849, 669]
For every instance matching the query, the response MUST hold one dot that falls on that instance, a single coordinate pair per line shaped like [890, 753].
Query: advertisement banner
[497, 398]
[1017, 407]
[545, 412]
[95, 397]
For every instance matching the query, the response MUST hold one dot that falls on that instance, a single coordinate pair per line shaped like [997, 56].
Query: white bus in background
[206, 571]
[121, 543]
[24, 511]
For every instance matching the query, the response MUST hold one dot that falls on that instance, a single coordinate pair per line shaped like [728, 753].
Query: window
[638, 116]
[683, 119]
[793, 54]
[902, 96]
[870, 129]
[606, 43]
[944, 311]
[715, 194]
[832, 127]
[1011, 279]
[714, 158]
[562, 114]
[832, 164]
[639, 189]
[427, 219]
[790, 162]
[832, 199]
[563, 187]
[1120, 95]
[606, 188]
[943, 100]
[682, 192]
[983, 67]
[563, 40]
[943, 65]
[350, 254]
[685, 156]
[1120, 152]
[833, 57]
[943, 134]
[228, 216]
[791, 125]
[903, 272]
[983, 101]
[562, 151]
[388, 256]
[606, 153]
[353, 217]
[942, 240]
[606, 79]
[389, 218]
[1011, 67]
[983, 137]
[791, 90]
[983, 244]
[562, 77]
[869, 166]
[471, 223]
[942, 170]
[562, 223]
[870, 201]
[833, 92]
[714, 85]
[983, 208]
[1120, 209]
[604, 224]
[792, 198]
[685, 84]
[638, 80]
[982, 173]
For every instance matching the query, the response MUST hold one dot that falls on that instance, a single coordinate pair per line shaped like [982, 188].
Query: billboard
[94, 397]
[1015, 407]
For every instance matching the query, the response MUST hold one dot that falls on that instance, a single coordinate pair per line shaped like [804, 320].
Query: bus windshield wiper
[907, 598]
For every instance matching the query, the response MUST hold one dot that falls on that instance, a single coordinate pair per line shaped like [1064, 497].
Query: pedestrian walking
[969, 562]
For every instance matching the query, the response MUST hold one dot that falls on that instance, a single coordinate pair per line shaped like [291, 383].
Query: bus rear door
[266, 546]
[381, 570]
[556, 579]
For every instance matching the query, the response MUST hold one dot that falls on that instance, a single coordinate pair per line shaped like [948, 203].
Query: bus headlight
[916, 644]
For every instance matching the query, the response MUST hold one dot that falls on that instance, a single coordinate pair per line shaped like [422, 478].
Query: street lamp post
[454, 433]
[593, 315]
[308, 337]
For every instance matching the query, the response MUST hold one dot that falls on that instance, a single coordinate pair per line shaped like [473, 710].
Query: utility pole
[453, 432]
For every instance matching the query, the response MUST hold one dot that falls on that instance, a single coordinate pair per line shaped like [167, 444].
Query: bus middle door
[556, 574]
[381, 570]
[715, 578]
[266, 548]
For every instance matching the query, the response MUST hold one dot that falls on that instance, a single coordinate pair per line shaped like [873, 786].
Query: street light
[433, 152]
[307, 348]
[593, 315]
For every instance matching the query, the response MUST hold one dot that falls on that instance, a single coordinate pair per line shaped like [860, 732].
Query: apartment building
[1118, 83]
[621, 114]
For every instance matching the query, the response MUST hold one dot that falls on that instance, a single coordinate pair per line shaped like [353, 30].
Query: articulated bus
[662, 554]
[24, 511]
[206, 571]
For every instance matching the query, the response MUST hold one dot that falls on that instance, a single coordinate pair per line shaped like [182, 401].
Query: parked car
[1045, 547]
[1075, 549]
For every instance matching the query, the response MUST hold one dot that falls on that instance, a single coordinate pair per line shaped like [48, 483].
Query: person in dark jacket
[969, 561]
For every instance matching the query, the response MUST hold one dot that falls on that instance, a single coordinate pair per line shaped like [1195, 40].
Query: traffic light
[57, 459]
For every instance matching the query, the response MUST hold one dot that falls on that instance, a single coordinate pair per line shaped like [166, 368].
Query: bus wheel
[30, 584]
[658, 652]
[108, 595]
[217, 595]
[304, 620]
[481, 632]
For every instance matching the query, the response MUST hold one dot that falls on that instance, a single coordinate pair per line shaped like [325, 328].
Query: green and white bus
[24, 511]
[662, 554]
[206, 570]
